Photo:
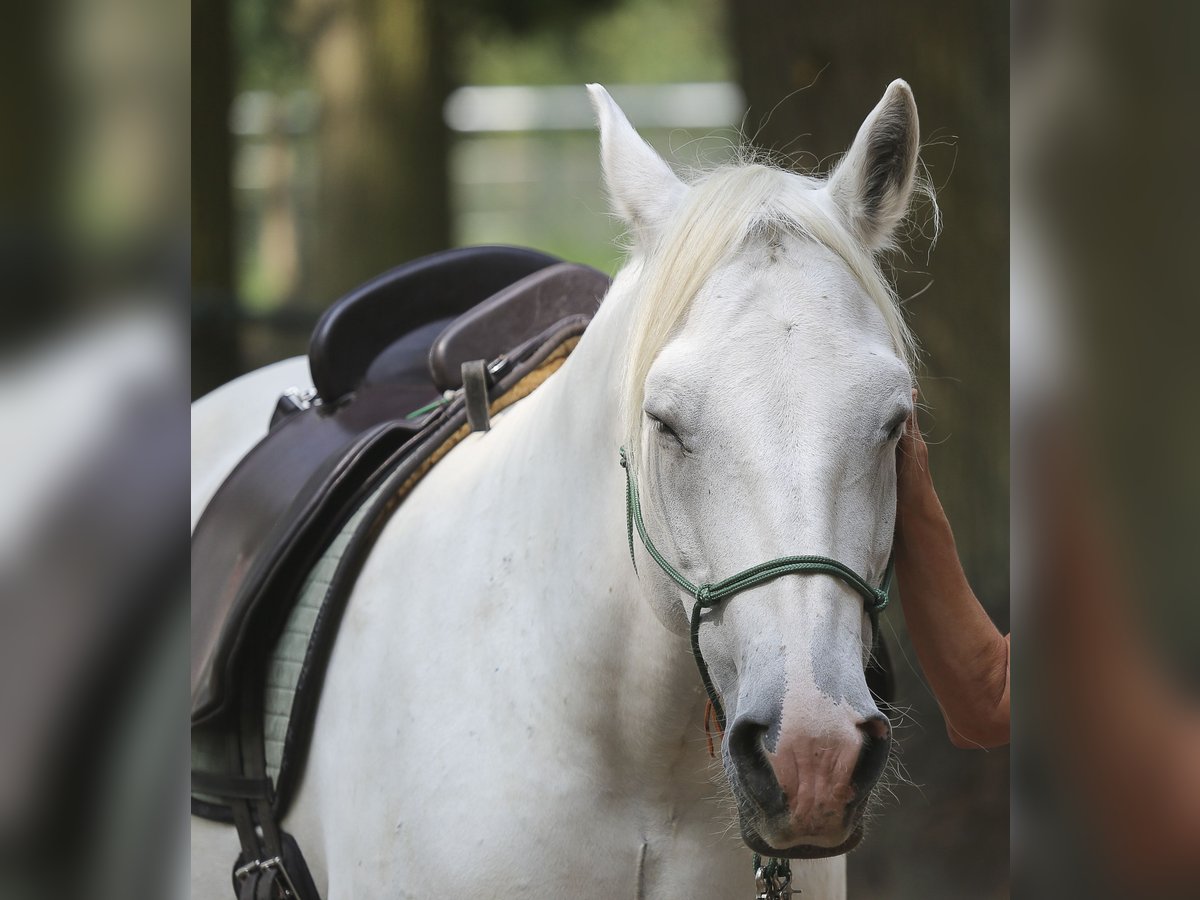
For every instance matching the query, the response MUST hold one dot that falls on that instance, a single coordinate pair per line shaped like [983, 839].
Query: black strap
[231, 786]
[275, 878]
[269, 886]
[247, 886]
[475, 388]
[268, 868]
[260, 882]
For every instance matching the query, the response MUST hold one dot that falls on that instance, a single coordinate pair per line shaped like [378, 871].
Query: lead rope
[773, 880]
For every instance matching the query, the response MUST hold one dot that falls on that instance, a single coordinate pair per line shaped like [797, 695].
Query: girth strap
[270, 866]
[710, 594]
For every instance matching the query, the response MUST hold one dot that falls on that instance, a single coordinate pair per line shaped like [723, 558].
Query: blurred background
[93, 448]
[333, 139]
[1106, 667]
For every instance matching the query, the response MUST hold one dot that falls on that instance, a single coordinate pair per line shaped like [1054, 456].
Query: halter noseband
[711, 593]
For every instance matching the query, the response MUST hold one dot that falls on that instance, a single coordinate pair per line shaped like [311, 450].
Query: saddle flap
[359, 327]
[515, 315]
[274, 512]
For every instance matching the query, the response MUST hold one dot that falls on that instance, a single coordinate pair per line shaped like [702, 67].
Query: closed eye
[895, 426]
[664, 429]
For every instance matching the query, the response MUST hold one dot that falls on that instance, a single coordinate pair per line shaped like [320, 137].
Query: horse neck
[644, 703]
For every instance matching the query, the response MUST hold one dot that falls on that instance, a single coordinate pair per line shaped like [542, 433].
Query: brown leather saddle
[404, 367]
[392, 347]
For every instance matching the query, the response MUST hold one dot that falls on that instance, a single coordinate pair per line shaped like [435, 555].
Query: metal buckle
[497, 369]
[261, 865]
[302, 398]
[773, 881]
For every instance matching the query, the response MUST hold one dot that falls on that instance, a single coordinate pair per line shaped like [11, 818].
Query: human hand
[912, 462]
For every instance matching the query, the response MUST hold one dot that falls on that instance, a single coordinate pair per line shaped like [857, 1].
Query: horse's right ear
[643, 189]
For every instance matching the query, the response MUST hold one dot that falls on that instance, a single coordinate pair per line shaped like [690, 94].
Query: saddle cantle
[355, 339]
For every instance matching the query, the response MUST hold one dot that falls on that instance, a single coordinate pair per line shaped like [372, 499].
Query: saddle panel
[351, 337]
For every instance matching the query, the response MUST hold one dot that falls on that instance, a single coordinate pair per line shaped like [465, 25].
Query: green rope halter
[711, 593]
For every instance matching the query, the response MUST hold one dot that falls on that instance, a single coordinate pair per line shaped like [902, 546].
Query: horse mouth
[800, 851]
[759, 820]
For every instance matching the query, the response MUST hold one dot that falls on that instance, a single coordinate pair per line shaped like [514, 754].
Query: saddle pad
[285, 667]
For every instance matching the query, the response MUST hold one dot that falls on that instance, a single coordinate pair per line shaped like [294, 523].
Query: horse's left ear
[643, 189]
[873, 183]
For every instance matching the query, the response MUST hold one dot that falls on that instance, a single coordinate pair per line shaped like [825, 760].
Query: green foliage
[638, 41]
[523, 16]
[521, 42]
[269, 55]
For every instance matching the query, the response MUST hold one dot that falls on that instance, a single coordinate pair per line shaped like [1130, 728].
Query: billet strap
[475, 390]
[711, 593]
[270, 866]
[231, 786]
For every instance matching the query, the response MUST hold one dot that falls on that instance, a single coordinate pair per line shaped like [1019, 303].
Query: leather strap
[247, 888]
[262, 870]
[475, 389]
[233, 786]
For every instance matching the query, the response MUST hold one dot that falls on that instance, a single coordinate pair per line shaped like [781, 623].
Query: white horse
[511, 710]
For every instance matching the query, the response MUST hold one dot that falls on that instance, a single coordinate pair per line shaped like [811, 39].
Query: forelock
[726, 208]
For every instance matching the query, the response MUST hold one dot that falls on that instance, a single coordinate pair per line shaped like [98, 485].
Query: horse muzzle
[802, 796]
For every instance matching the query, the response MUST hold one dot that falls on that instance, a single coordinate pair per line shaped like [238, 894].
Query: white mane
[721, 210]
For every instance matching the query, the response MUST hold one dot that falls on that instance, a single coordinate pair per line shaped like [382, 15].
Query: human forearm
[962, 654]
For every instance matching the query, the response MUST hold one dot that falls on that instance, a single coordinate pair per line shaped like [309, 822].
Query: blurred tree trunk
[31, 244]
[962, 95]
[215, 356]
[955, 56]
[380, 67]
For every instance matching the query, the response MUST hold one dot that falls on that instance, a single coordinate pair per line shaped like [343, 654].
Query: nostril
[746, 739]
[876, 728]
[748, 754]
[872, 758]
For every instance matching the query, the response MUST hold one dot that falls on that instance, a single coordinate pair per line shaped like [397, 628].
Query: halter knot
[704, 595]
[881, 600]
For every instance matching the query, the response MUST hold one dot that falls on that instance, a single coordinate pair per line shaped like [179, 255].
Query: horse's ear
[643, 189]
[873, 183]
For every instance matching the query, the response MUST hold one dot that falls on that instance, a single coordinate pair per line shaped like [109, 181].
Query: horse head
[768, 381]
